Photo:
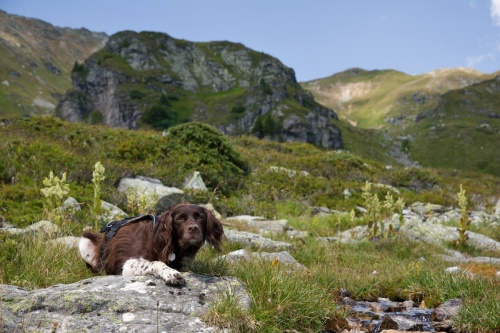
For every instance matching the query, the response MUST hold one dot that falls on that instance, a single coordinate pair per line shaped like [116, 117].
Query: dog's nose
[193, 227]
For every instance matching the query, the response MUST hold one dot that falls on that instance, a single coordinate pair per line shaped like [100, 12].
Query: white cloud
[495, 11]
[475, 61]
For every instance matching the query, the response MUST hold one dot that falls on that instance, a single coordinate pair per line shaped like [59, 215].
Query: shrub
[219, 164]
[266, 125]
[159, 117]
[95, 117]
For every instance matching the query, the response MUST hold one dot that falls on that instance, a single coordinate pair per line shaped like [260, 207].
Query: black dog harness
[112, 227]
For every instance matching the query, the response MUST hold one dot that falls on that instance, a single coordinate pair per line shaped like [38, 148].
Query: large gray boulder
[160, 196]
[117, 304]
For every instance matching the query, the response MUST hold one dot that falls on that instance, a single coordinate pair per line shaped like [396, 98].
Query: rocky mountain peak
[153, 79]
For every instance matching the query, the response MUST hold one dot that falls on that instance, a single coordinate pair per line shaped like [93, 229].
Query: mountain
[152, 79]
[462, 131]
[387, 99]
[35, 61]
[446, 118]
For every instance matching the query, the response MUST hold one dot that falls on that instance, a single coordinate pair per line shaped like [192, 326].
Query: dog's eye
[200, 217]
[179, 219]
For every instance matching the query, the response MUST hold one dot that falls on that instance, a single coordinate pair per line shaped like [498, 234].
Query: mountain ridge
[36, 60]
[147, 78]
[405, 107]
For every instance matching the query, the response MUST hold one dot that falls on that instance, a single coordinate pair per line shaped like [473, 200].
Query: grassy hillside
[368, 98]
[236, 170]
[463, 130]
[36, 59]
[443, 119]
[35, 146]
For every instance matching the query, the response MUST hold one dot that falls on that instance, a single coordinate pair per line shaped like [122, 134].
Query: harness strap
[112, 227]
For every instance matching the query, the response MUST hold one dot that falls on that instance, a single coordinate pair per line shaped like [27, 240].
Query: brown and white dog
[140, 248]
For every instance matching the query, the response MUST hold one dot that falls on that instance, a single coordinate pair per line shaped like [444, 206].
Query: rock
[118, 304]
[68, 241]
[259, 223]
[211, 208]
[426, 209]
[455, 256]
[389, 316]
[289, 172]
[438, 234]
[448, 309]
[283, 257]
[161, 196]
[387, 187]
[297, 234]
[110, 212]
[247, 239]
[195, 182]
[45, 228]
[401, 323]
[347, 193]
[361, 209]
[497, 210]
[458, 270]
[71, 205]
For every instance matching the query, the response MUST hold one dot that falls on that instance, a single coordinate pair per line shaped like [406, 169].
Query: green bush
[160, 115]
[96, 117]
[266, 125]
[219, 164]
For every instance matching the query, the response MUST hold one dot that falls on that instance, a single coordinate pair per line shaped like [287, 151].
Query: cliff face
[152, 79]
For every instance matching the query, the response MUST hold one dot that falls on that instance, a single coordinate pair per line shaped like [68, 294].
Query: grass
[304, 301]
[35, 262]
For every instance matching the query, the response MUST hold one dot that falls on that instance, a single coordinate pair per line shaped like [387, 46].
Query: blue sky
[317, 38]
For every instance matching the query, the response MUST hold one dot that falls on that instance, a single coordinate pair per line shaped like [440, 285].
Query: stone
[426, 209]
[211, 208]
[248, 239]
[438, 234]
[162, 197]
[289, 172]
[195, 182]
[110, 212]
[497, 209]
[68, 241]
[44, 227]
[118, 304]
[283, 257]
[71, 205]
[448, 309]
[259, 223]
[297, 234]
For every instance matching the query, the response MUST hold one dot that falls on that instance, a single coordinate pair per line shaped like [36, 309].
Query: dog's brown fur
[179, 234]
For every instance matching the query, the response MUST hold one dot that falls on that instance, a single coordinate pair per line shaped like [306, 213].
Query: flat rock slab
[117, 304]
[246, 239]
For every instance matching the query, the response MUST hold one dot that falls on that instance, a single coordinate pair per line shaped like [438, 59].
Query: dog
[145, 246]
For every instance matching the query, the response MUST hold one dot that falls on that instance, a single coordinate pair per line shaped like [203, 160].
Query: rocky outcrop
[236, 89]
[425, 222]
[118, 304]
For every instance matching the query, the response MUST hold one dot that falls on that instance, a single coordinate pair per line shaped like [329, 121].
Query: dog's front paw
[174, 278]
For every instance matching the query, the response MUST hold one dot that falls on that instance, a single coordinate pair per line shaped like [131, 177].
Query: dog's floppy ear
[214, 233]
[165, 234]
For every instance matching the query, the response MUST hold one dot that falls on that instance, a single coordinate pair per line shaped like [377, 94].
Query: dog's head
[189, 226]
